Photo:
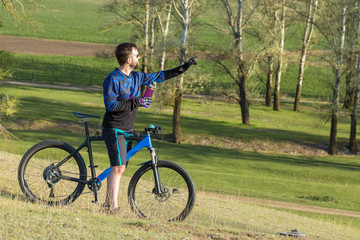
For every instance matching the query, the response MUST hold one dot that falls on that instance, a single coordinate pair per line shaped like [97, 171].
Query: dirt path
[56, 47]
[53, 47]
[290, 206]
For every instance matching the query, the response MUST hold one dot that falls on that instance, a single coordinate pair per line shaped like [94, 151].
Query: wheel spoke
[177, 197]
[37, 173]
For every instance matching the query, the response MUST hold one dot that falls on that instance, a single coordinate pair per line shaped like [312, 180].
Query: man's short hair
[123, 51]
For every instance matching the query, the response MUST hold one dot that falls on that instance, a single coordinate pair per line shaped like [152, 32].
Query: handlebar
[153, 128]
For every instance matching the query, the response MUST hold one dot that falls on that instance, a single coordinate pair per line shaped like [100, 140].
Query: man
[121, 91]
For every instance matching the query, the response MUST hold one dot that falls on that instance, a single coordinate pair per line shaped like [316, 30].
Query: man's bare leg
[113, 184]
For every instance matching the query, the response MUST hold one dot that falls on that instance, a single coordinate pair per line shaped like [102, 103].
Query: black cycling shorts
[117, 145]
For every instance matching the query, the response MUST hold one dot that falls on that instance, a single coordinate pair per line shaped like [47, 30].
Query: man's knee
[118, 170]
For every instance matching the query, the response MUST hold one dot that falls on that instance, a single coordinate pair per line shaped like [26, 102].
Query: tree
[164, 27]
[311, 13]
[139, 13]
[333, 28]
[267, 34]
[279, 66]
[350, 56]
[237, 23]
[184, 18]
[16, 9]
[355, 35]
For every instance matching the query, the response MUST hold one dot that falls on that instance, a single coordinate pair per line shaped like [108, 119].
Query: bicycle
[54, 172]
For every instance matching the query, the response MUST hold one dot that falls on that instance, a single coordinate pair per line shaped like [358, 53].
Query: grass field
[264, 160]
[92, 71]
[281, 156]
[83, 21]
[212, 218]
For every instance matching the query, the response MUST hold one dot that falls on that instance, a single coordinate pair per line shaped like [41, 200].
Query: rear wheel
[176, 200]
[41, 181]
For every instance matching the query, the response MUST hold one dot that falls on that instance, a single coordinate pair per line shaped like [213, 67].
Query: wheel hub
[164, 195]
[51, 174]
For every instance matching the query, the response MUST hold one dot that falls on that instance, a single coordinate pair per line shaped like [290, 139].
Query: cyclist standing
[121, 90]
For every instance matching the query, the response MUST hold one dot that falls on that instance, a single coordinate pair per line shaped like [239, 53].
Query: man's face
[135, 57]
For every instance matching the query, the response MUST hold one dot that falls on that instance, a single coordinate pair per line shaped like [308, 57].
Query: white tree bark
[305, 45]
[280, 58]
[185, 19]
[335, 104]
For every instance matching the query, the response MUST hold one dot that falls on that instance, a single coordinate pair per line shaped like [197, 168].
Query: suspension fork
[154, 160]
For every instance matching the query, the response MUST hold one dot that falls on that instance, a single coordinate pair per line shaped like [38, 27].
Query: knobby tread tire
[31, 156]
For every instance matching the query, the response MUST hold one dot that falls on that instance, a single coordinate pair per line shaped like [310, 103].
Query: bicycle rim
[178, 193]
[37, 181]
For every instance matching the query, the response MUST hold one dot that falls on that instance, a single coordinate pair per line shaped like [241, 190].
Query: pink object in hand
[149, 90]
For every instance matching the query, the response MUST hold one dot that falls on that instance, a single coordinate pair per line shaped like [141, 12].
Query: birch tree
[333, 28]
[355, 19]
[237, 23]
[139, 13]
[350, 56]
[184, 18]
[16, 9]
[164, 27]
[352, 141]
[339, 60]
[279, 66]
[311, 13]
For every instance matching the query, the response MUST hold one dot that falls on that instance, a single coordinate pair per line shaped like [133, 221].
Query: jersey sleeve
[149, 78]
[111, 91]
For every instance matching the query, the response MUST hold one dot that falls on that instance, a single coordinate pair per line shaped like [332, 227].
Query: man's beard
[136, 66]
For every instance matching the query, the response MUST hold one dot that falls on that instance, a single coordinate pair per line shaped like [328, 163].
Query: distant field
[92, 71]
[83, 20]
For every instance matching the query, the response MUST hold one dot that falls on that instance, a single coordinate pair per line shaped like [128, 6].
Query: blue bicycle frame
[145, 142]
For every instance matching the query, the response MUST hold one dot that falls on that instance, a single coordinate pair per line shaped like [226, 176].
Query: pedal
[94, 166]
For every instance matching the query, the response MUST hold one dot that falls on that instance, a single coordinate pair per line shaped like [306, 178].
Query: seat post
[86, 128]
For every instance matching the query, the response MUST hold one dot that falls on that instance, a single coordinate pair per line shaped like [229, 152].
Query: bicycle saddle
[84, 115]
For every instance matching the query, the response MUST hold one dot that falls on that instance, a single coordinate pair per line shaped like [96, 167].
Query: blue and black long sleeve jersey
[121, 94]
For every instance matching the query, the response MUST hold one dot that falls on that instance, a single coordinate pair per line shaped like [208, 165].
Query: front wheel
[41, 181]
[176, 200]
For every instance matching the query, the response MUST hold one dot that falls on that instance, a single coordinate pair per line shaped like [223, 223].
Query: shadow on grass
[6, 194]
[37, 108]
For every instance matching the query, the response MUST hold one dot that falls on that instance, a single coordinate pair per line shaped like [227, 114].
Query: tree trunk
[306, 40]
[165, 32]
[186, 16]
[244, 103]
[334, 111]
[352, 143]
[152, 40]
[146, 37]
[269, 81]
[352, 35]
[333, 150]
[176, 119]
[280, 61]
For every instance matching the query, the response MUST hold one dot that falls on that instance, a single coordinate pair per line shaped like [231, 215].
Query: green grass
[212, 217]
[82, 21]
[317, 83]
[66, 20]
[270, 170]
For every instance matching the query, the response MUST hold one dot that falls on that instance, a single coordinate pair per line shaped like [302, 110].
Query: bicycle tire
[36, 181]
[175, 181]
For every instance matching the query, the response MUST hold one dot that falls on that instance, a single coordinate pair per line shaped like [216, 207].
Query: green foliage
[9, 106]
[6, 62]
[7, 59]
